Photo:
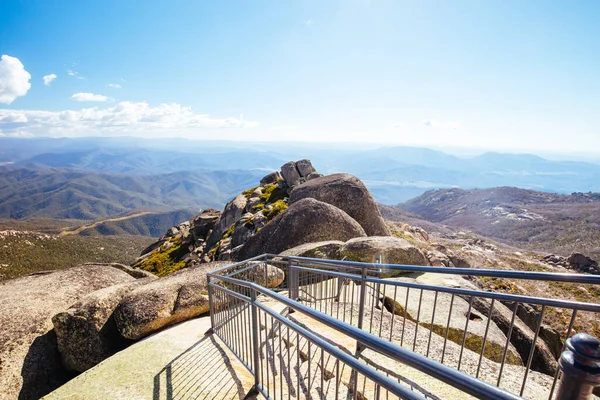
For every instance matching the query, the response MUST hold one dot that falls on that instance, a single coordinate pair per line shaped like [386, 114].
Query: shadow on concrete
[203, 371]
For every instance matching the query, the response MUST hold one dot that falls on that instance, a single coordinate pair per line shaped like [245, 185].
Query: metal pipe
[536, 276]
[255, 338]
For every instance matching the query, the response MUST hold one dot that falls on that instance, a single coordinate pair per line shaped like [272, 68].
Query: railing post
[580, 365]
[361, 306]
[293, 281]
[210, 303]
[255, 344]
[363, 292]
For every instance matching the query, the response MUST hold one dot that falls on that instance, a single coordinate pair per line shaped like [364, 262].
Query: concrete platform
[181, 362]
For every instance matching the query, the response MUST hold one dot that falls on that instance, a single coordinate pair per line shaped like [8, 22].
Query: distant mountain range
[65, 193]
[525, 218]
[90, 178]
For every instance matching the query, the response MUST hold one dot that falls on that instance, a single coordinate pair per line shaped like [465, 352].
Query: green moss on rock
[229, 232]
[164, 262]
[249, 192]
[272, 193]
[278, 207]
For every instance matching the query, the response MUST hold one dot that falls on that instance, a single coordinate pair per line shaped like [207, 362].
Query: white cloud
[49, 78]
[71, 73]
[13, 118]
[309, 22]
[129, 118]
[14, 80]
[115, 86]
[89, 97]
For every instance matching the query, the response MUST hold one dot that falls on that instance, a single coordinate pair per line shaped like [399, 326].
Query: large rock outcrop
[328, 249]
[261, 271]
[233, 212]
[30, 364]
[171, 299]
[240, 229]
[307, 220]
[183, 245]
[86, 333]
[392, 249]
[582, 263]
[347, 193]
[298, 172]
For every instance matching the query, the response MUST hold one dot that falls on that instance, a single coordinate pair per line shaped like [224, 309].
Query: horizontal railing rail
[470, 292]
[494, 273]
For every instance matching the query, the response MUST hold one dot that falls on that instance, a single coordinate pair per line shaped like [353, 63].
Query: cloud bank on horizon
[124, 118]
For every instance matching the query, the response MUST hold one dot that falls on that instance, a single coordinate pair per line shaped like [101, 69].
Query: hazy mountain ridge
[534, 220]
[66, 193]
[92, 178]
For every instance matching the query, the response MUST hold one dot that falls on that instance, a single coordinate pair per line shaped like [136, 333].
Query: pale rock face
[305, 221]
[304, 167]
[174, 298]
[203, 223]
[31, 365]
[253, 201]
[438, 259]
[347, 193]
[86, 333]
[256, 193]
[233, 211]
[313, 175]
[270, 178]
[274, 276]
[393, 251]
[241, 233]
[290, 174]
[328, 249]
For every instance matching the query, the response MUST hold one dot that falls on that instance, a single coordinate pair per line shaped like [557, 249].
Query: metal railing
[471, 340]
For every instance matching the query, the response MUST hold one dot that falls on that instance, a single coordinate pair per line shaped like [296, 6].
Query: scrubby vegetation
[165, 262]
[279, 206]
[29, 253]
[249, 192]
[272, 193]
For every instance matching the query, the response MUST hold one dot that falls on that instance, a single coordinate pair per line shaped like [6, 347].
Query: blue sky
[509, 75]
